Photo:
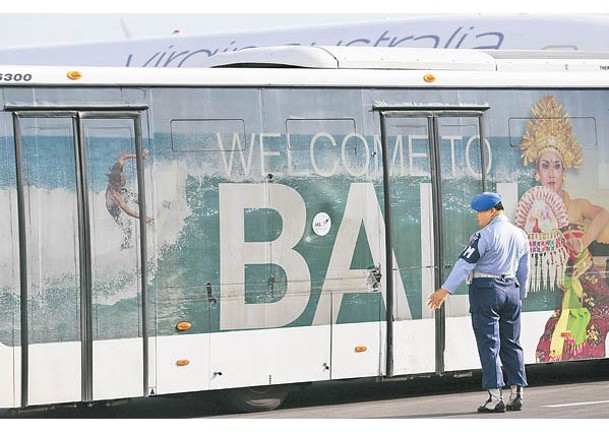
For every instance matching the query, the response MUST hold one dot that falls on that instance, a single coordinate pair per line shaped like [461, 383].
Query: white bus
[280, 218]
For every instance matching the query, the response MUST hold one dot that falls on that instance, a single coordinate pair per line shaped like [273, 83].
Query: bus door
[432, 168]
[83, 297]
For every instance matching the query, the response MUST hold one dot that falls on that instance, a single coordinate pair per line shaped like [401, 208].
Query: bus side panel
[327, 156]
[118, 377]
[247, 255]
[7, 379]
[269, 356]
[359, 350]
[9, 266]
[461, 353]
[414, 351]
[44, 386]
[576, 194]
[183, 363]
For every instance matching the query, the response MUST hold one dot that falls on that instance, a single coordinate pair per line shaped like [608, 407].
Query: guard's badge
[471, 254]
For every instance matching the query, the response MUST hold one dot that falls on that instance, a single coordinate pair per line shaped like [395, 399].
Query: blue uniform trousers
[495, 308]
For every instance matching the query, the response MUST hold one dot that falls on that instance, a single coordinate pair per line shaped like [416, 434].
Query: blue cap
[485, 201]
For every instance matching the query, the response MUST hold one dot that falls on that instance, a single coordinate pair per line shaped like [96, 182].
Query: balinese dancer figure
[560, 230]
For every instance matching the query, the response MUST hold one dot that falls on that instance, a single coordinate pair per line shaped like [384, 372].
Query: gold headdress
[550, 128]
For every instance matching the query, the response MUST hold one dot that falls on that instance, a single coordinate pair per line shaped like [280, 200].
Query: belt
[490, 275]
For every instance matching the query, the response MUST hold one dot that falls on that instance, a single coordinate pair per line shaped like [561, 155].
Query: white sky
[67, 21]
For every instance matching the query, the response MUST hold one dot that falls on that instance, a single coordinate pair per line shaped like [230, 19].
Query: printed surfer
[118, 197]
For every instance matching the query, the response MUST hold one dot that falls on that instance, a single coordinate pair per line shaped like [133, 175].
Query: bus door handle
[210, 297]
[374, 277]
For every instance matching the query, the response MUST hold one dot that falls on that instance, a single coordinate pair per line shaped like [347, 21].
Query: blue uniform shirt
[499, 248]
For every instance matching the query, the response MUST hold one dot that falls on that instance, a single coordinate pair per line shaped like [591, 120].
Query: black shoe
[499, 407]
[515, 405]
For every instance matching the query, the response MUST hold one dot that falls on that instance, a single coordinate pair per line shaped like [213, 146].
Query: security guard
[496, 266]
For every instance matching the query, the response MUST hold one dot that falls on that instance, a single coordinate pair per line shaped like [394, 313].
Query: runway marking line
[564, 405]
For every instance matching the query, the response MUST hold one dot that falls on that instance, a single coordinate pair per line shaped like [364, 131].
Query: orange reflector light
[429, 78]
[74, 75]
[182, 362]
[361, 348]
[183, 326]
[567, 334]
